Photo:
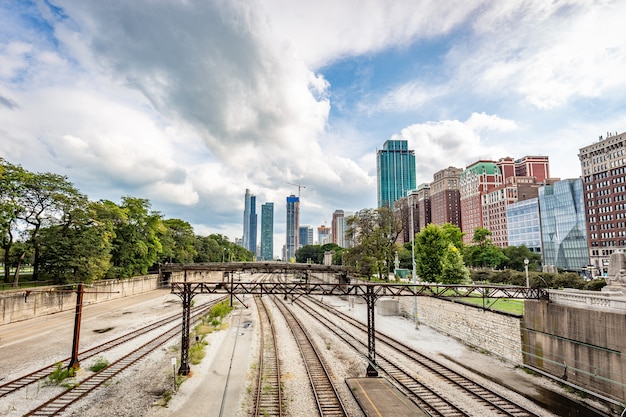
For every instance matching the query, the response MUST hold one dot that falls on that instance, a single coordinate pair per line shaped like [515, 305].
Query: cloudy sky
[189, 102]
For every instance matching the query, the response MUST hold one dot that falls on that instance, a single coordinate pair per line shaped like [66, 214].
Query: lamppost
[223, 253]
[414, 276]
[526, 270]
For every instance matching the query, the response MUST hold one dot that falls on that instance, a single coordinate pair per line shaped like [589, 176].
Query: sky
[188, 103]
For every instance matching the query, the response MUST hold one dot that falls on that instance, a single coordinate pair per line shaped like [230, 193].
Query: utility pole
[77, 319]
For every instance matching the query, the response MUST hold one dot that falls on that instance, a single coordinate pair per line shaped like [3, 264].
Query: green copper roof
[482, 167]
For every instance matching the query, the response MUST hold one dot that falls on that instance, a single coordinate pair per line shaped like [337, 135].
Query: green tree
[453, 270]
[431, 244]
[483, 253]
[79, 250]
[374, 233]
[45, 200]
[11, 180]
[136, 245]
[515, 258]
[178, 241]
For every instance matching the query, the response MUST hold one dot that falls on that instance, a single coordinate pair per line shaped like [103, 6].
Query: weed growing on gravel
[99, 364]
[60, 374]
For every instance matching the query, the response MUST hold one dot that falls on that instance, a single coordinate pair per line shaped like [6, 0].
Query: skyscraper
[267, 231]
[293, 224]
[563, 226]
[603, 166]
[249, 222]
[305, 236]
[395, 171]
[338, 228]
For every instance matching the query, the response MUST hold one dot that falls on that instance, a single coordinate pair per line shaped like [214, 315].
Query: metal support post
[186, 297]
[370, 299]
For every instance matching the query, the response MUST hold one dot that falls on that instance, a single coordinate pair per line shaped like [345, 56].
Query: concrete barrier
[16, 305]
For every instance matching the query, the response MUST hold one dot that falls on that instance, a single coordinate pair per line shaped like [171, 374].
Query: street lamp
[526, 270]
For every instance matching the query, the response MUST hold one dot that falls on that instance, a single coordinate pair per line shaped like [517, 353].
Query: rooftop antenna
[297, 185]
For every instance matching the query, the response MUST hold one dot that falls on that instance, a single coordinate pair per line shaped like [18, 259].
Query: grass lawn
[506, 305]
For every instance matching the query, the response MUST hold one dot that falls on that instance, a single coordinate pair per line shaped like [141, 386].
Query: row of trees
[440, 254]
[47, 223]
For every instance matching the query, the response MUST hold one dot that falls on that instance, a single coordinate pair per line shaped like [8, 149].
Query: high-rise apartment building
[267, 231]
[563, 231]
[249, 222]
[292, 226]
[445, 196]
[603, 166]
[338, 228]
[305, 236]
[323, 234]
[395, 171]
[477, 179]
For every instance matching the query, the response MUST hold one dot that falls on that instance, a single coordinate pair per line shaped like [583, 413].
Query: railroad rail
[269, 390]
[68, 397]
[494, 403]
[36, 376]
[328, 402]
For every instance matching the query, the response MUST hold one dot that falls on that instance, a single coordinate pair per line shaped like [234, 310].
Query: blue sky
[188, 103]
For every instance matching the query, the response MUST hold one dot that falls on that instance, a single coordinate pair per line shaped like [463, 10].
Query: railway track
[36, 376]
[326, 397]
[269, 389]
[60, 402]
[405, 377]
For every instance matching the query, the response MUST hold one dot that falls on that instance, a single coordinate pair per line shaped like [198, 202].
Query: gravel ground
[139, 392]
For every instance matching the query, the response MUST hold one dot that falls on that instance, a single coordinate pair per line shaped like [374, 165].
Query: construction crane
[297, 185]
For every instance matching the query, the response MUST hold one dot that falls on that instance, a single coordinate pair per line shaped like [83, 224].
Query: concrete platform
[378, 398]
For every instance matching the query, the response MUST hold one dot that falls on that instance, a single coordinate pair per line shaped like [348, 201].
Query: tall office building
[293, 225]
[395, 171]
[267, 231]
[249, 222]
[523, 224]
[305, 236]
[563, 231]
[603, 166]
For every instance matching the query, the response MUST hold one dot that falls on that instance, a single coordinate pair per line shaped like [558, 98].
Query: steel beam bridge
[368, 291]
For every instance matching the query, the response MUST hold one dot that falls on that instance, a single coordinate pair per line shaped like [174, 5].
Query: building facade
[395, 171]
[477, 179]
[249, 222]
[305, 236]
[603, 166]
[338, 228]
[267, 231]
[563, 225]
[292, 227]
[324, 234]
[523, 223]
[445, 197]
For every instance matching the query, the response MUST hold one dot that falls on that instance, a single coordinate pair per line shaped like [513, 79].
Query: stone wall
[496, 333]
[578, 341]
[16, 305]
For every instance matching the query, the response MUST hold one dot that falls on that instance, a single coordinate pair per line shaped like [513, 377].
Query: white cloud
[446, 143]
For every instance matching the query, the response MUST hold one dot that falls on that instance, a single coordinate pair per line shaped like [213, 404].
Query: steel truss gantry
[368, 291]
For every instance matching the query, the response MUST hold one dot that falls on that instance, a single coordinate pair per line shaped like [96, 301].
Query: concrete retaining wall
[584, 345]
[25, 304]
[498, 334]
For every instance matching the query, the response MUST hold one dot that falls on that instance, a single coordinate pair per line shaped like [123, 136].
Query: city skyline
[131, 99]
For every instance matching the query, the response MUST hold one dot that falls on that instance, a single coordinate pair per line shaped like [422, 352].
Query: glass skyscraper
[563, 225]
[395, 171]
[249, 222]
[267, 231]
[522, 220]
[293, 224]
